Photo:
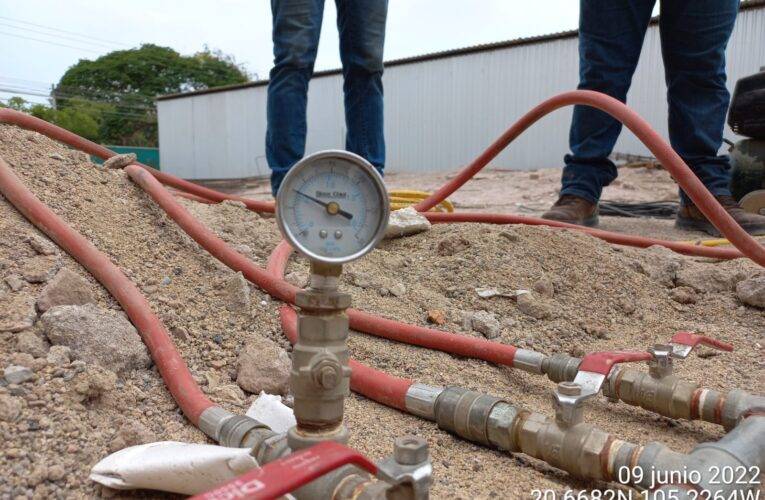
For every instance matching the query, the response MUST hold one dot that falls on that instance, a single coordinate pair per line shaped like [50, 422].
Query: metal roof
[750, 4]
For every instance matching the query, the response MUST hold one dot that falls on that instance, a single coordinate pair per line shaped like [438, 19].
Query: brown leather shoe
[574, 210]
[690, 217]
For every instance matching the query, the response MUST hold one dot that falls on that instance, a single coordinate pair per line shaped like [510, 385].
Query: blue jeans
[694, 34]
[296, 29]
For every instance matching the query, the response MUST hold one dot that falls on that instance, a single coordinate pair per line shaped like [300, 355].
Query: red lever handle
[692, 339]
[278, 478]
[602, 362]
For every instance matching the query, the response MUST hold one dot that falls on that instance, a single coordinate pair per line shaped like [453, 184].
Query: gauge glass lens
[332, 208]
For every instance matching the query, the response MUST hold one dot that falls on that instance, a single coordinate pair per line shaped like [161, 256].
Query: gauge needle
[329, 206]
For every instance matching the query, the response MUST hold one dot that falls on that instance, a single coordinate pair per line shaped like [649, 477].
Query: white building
[441, 109]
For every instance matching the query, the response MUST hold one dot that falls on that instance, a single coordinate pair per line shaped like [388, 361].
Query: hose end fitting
[229, 429]
[561, 367]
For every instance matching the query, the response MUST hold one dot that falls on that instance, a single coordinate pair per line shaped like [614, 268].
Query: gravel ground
[71, 413]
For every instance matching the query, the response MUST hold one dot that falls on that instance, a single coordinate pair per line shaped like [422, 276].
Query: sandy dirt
[605, 297]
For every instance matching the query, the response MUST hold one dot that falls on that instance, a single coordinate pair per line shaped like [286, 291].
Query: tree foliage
[111, 99]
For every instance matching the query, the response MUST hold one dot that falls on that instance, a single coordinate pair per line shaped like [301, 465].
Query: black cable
[654, 209]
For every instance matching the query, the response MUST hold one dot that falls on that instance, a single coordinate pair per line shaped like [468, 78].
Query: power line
[63, 95]
[63, 31]
[63, 37]
[49, 42]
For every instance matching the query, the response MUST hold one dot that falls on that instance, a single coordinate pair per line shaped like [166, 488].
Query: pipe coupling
[561, 367]
[465, 413]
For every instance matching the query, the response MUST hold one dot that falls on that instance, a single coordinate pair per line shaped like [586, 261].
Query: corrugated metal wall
[439, 114]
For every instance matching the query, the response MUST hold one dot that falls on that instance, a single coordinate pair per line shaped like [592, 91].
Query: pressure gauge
[332, 207]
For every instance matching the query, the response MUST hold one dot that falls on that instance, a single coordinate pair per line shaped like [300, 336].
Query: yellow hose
[402, 198]
[713, 242]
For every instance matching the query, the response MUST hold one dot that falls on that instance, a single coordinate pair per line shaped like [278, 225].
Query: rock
[59, 355]
[131, 433]
[14, 282]
[120, 161]
[509, 236]
[485, 323]
[27, 341]
[683, 295]
[533, 305]
[67, 288]
[662, 265]
[751, 291]
[406, 222]
[544, 287]
[56, 473]
[237, 293]
[436, 317]
[451, 245]
[362, 280]
[705, 279]
[42, 246]
[263, 366]
[40, 268]
[10, 408]
[97, 336]
[398, 290]
[93, 382]
[15, 374]
[17, 312]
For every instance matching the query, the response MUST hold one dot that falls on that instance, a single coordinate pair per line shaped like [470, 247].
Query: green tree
[121, 86]
[81, 117]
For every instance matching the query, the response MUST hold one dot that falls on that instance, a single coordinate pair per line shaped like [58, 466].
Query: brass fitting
[667, 395]
[320, 376]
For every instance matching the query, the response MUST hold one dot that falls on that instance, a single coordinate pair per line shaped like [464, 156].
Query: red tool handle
[692, 339]
[602, 362]
[289, 473]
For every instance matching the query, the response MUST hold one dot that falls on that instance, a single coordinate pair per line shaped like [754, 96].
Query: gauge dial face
[332, 207]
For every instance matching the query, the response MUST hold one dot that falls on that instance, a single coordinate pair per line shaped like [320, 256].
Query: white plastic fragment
[487, 293]
[172, 466]
[270, 410]
[406, 222]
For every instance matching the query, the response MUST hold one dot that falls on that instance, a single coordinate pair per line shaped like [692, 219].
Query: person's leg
[361, 24]
[694, 34]
[611, 34]
[296, 30]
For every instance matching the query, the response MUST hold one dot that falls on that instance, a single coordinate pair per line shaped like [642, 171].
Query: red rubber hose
[471, 347]
[29, 122]
[280, 289]
[171, 366]
[205, 195]
[663, 152]
[616, 238]
[373, 384]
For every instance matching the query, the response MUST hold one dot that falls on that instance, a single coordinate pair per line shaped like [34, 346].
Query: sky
[42, 38]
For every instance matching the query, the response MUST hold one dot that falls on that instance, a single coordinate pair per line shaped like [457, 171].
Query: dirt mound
[586, 295]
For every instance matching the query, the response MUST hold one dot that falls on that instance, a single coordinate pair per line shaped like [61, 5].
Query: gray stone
[120, 161]
[42, 245]
[545, 288]
[263, 366]
[15, 374]
[398, 290]
[406, 222]
[59, 355]
[10, 408]
[40, 268]
[27, 341]
[485, 323]
[751, 291]
[67, 288]
[705, 279]
[237, 293]
[14, 282]
[683, 295]
[533, 305]
[97, 336]
[17, 312]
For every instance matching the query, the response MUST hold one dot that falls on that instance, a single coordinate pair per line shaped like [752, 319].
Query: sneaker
[573, 210]
[690, 217]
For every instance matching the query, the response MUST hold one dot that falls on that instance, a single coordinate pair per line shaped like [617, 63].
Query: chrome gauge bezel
[284, 197]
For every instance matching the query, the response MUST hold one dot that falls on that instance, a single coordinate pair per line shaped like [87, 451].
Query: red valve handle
[692, 339]
[289, 473]
[602, 362]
